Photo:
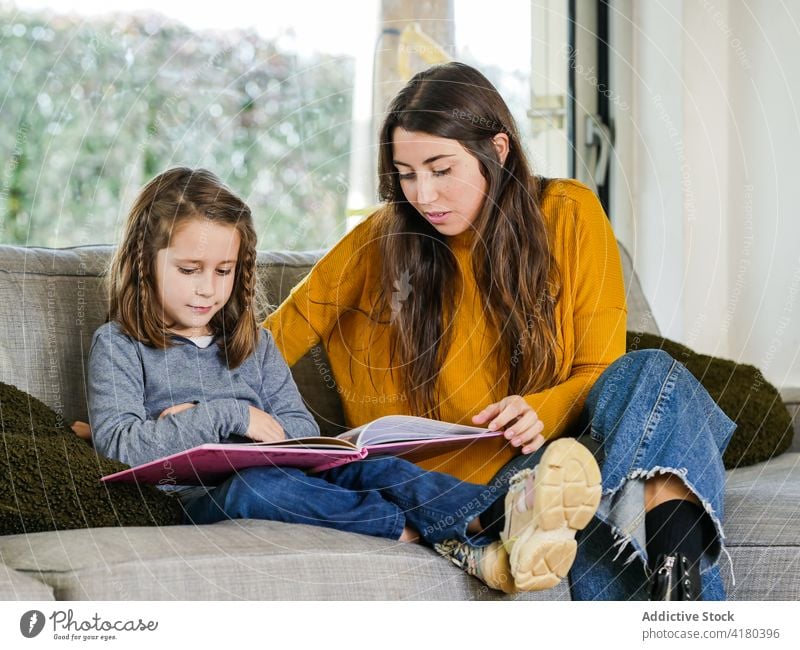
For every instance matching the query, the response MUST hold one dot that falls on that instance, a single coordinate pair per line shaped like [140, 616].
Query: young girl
[182, 361]
[482, 294]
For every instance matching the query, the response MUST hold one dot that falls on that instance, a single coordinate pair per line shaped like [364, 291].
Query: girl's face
[440, 178]
[195, 275]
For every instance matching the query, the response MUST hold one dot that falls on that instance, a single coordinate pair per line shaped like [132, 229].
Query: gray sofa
[51, 303]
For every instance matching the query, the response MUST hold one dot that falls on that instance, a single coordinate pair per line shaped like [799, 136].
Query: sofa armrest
[791, 397]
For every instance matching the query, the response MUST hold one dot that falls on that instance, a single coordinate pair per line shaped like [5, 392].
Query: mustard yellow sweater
[330, 303]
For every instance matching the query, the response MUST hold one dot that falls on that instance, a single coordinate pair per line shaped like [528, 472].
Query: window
[282, 102]
[98, 104]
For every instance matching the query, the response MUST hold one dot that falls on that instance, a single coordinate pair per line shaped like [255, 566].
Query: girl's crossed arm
[284, 414]
[120, 426]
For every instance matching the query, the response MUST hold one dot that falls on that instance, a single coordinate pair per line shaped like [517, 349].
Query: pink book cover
[212, 463]
[396, 435]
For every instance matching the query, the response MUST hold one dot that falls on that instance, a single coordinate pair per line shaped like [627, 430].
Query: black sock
[678, 526]
[493, 519]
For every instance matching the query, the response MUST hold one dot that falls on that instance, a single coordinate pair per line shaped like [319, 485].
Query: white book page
[317, 442]
[398, 428]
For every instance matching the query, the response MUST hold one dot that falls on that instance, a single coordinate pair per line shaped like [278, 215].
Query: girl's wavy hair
[166, 202]
[516, 275]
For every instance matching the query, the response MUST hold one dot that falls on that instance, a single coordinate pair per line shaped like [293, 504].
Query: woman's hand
[177, 408]
[263, 427]
[523, 428]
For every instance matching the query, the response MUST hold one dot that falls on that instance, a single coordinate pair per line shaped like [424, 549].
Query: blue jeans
[646, 415]
[377, 496]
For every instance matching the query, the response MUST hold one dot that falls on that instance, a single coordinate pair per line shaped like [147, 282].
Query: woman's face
[440, 178]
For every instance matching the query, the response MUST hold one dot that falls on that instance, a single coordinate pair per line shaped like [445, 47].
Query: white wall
[707, 189]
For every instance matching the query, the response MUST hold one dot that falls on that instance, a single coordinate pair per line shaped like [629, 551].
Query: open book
[396, 435]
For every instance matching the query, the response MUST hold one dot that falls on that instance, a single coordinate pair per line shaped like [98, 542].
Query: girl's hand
[172, 410]
[263, 427]
[82, 430]
[523, 428]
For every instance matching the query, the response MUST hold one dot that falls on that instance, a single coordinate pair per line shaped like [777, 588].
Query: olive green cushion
[49, 478]
[764, 426]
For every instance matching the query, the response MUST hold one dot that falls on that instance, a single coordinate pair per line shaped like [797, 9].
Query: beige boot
[544, 508]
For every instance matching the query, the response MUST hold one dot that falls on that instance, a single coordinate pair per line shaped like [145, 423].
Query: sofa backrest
[52, 300]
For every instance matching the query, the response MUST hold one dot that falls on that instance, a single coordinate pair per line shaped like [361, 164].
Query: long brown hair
[514, 270]
[166, 202]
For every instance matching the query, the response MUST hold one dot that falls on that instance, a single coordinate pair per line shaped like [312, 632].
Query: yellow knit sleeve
[334, 285]
[591, 258]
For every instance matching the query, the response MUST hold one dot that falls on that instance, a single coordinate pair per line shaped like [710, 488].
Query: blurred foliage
[93, 108]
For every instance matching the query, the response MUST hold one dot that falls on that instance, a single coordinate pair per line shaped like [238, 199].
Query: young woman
[482, 294]
[182, 361]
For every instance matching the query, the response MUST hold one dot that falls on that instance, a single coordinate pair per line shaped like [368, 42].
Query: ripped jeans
[645, 415]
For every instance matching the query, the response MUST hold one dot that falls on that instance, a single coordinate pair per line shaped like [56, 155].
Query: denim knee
[637, 364]
[630, 373]
[650, 359]
[246, 494]
[373, 473]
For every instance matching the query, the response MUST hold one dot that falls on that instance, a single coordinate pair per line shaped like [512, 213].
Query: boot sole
[497, 570]
[567, 492]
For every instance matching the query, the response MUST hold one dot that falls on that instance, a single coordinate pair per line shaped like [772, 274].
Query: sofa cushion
[762, 504]
[20, 586]
[762, 573]
[277, 274]
[50, 479]
[241, 559]
[763, 424]
[762, 512]
[640, 316]
[57, 303]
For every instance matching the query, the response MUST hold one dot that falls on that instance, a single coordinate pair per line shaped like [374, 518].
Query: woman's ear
[501, 145]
